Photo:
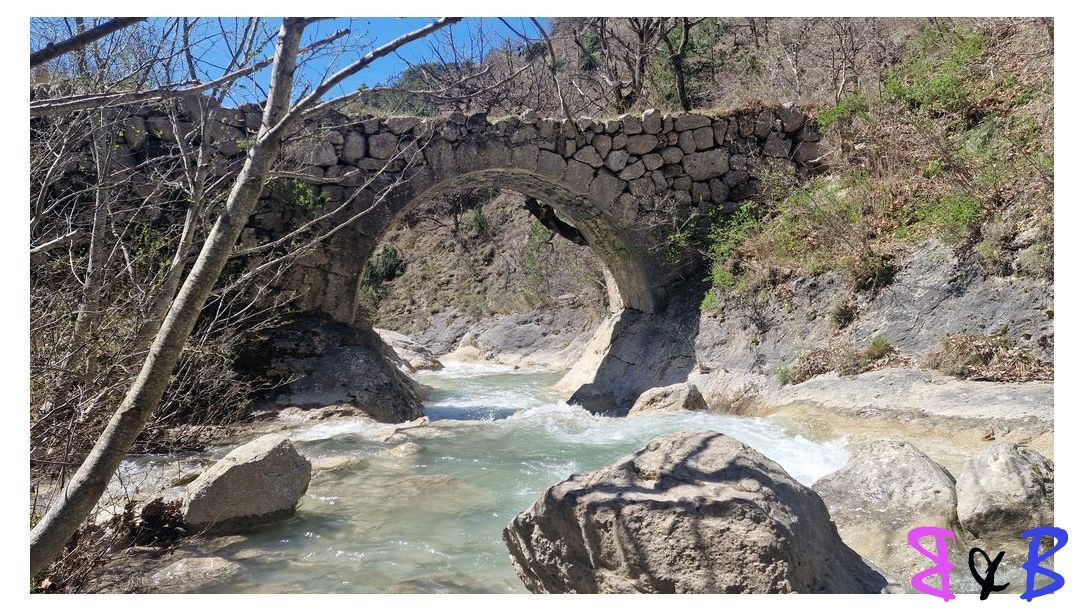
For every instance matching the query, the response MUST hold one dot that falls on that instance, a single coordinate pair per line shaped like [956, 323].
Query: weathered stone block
[672, 155]
[353, 147]
[687, 142]
[701, 193]
[703, 138]
[641, 144]
[719, 190]
[589, 155]
[606, 187]
[705, 164]
[689, 121]
[551, 164]
[652, 161]
[616, 160]
[526, 157]
[602, 144]
[632, 171]
[791, 117]
[578, 175]
[382, 146]
[777, 145]
[652, 121]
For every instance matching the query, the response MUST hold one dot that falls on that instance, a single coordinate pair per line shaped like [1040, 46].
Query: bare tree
[90, 480]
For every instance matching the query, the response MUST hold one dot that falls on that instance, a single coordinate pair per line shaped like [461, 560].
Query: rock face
[413, 354]
[887, 488]
[691, 512]
[257, 483]
[1004, 490]
[632, 352]
[326, 362]
[953, 290]
[682, 396]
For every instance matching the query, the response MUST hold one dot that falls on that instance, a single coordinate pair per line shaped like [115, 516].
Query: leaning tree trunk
[49, 536]
[84, 490]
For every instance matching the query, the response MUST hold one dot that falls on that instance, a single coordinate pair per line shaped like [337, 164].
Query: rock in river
[691, 512]
[413, 354]
[257, 483]
[682, 396]
[193, 575]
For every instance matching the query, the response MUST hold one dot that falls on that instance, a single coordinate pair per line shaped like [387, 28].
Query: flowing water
[432, 522]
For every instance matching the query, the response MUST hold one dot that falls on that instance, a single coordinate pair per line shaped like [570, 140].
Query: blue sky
[383, 29]
[369, 32]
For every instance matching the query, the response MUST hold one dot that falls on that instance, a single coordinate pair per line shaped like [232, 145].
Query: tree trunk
[84, 490]
[90, 304]
[49, 536]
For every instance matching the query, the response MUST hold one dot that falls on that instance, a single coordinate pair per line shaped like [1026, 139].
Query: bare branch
[54, 50]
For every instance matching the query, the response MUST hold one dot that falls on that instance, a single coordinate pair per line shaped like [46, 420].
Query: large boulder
[691, 512]
[413, 354]
[887, 488]
[256, 483]
[682, 396]
[311, 361]
[1005, 490]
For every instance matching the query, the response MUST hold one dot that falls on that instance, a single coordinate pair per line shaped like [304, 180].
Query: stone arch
[639, 278]
[596, 173]
[602, 176]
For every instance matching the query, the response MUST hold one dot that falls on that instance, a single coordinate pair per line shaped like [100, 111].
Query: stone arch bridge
[605, 177]
[610, 179]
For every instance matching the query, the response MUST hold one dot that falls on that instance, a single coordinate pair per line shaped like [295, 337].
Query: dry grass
[990, 358]
[846, 360]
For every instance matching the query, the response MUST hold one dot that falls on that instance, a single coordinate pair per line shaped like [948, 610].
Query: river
[431, 522]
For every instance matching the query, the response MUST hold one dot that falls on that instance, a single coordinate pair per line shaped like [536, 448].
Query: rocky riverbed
[420, 506]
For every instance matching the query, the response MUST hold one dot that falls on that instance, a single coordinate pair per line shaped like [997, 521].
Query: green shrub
[480, 222]
[938, 76]
[384, 266]
[954, 217]
[297, 193]
[857, 105]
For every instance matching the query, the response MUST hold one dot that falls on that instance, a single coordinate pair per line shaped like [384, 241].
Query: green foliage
[724, 237]
[857, 105]
[532, 260]
[954, 216]
[479, 222]
[704, 58]
[297, 193]
[783, 375]
[938, 76]
[879, 347]
[384, 266]
[708, 302]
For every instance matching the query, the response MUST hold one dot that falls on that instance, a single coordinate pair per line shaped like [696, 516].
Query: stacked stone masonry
[604, 176]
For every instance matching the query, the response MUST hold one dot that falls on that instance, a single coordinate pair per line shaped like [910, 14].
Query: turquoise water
[432, 522]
